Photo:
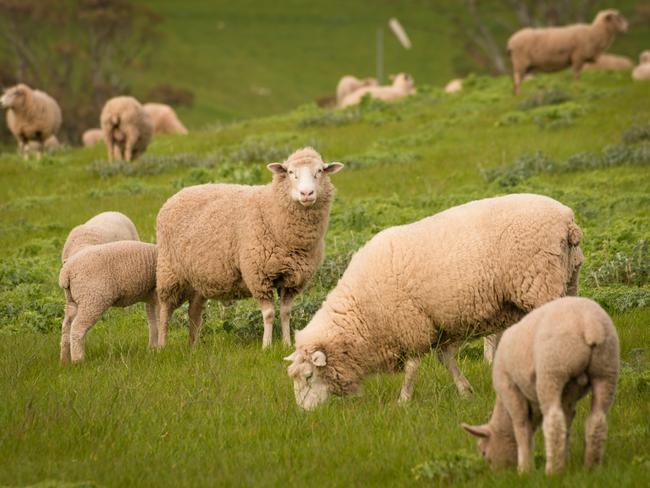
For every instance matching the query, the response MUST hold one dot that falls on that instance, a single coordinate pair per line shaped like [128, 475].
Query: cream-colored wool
[556, 48]
[544, 364]
[102, 228]
[232, 241]
[608, 61]
[164, 119]
[92, 137]
[454, 86]
[461, 274]
[349, 84]
[127, 128]
[116, 274]
[401, 87]
[642, 71]
[32, 117]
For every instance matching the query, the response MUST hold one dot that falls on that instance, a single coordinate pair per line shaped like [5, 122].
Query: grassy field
[224, 413]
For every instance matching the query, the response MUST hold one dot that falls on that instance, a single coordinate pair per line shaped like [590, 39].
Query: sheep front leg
[70, 312]
[268, 313]
[517, 407]
[447, 356]
[165, 311]
[128, 150]
[195, 313]
[410, 373]
[286, 301]
[490, 346]
[151, 307]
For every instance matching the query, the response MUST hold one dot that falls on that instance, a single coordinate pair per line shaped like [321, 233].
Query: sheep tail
[115, 120]
[64, 280]
[574, 234]
[594, 334]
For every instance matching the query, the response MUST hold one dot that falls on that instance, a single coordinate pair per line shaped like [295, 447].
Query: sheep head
[497, 448]
[612, 19]
[644, 57]
[305, 174]
[15, 96]
[404, 82]
[309, 384]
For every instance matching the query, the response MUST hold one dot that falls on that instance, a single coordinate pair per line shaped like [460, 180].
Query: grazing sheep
[127, 128]
[461, 274]
[454, 86]
[556, 48]
[164, 119]
[642, 71]
[102, 228]
[233, 241]
[402, 86]
[92, 137]
[543, 366]
[608, 61]
[349, 84]
[32, 117]
[115, 274]
[52, 144]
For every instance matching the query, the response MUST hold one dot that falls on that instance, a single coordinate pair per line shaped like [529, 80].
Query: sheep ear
[292, 357]
[318, 358]
[333, 168]
[476, 430]
[276, 168]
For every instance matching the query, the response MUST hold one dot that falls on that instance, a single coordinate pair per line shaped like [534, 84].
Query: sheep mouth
[307, 202]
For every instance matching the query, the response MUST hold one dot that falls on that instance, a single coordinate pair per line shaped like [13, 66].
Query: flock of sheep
[468, 272]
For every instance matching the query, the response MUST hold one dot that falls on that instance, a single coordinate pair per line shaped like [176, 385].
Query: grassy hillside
[224, 414]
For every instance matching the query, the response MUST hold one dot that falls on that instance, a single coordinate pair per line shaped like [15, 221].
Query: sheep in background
[349, 84]
[91, 137]
[32, 117]
[52, 144]
[164, 119]
[608, 61]
[454, 86]
[227, 242]
[642, 71]
[543, 366]
[402, 86]
[127, 128]
[556, 48]
[461, 274]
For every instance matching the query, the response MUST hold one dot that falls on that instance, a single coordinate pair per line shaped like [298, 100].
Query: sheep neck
[501, 423]
[603, 35]
[26, 108]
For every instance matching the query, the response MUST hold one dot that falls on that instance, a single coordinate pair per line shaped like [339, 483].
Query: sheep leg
[602, 395]
[447, 356]
[195, 313]
[490, 344]
[128, 150]
[516, 80]
[151, 307]
[83, 321]
[517, 406]
[549, 390]
[410, 373]
[118, 152]
[165, 311]
[268, 313]
[577, 69]
[286, 301]
[70, 312]
[110, 148]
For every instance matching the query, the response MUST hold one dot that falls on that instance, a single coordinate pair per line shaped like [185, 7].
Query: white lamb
[402, 86]
[642, 71]
[543, 366]
[464, 273]
[349, 84]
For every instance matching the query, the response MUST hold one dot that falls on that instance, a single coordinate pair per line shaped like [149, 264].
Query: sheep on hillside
[32, 117]
[556, 48]
[232, 241]
[402, 86]
[164, 119]
[543, 366]
[454, 86]
[349, 84]
[127, 128]
[608, 61]
[91, 137]
[642, 71]
[461, 274]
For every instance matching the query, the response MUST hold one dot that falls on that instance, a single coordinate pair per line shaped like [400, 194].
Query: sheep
[232, 241]
[91, 137]
[164, 119]
[51, 144]
[544, 364]
[461, 274]
[642, 71]
[127, 128]
[115, 274]
[454, 86]
[33, 117]
[608, 61]
[349, 84]
[402, 86]
[555, 48]
[102, 228]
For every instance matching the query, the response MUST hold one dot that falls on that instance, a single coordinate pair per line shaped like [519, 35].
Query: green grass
[224, 414]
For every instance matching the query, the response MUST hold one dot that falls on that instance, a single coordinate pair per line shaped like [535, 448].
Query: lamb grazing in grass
[102, 228]
[461, 274]
[556, 48]
[543, 366]
[32, 117]
[91, 137]
[164, 119]
[127, 128]
[642, 71]
[454, 86]
[349, 84]
[402, 86]
[608, 61]
[116, 274]
[232, 241]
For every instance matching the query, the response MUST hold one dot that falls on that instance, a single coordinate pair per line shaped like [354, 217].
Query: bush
[628, 269]
[450, 468]
[522, 168]
[545, 96]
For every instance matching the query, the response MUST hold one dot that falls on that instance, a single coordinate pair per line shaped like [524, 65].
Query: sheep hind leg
[151, 307]
[84, 320]
[554, 424]
[195, 313]
[70, 312]
[410, 373]
[165, 311]
[447, 356]
[268, 314]
[602, 395]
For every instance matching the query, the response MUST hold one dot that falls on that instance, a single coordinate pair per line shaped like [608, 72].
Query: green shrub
[450, 468]
[543, 97]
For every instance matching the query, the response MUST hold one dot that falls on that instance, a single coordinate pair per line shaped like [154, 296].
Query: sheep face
[613, 20]
[305, 175]
[14, 97]
[498, 449]
[309, 386]
[644, 57]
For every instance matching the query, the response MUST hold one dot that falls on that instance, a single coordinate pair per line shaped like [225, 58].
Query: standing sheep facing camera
[33, 117]
[127, 128]
[232, 241]
[543, 366]
[461, 274]
[164, 119]
[402, 86]
[349, 84]
[556, 48]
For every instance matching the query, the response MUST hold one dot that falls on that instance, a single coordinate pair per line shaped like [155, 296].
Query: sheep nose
[307, 194]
